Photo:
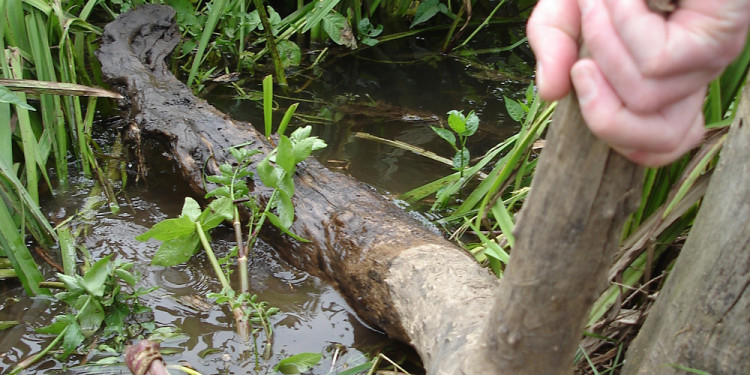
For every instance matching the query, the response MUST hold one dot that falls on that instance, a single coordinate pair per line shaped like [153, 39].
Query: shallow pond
[390, 100]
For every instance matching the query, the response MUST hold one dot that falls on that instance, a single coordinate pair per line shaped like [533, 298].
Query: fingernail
[583, 81]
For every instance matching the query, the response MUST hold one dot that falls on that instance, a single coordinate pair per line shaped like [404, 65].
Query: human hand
[642, 89]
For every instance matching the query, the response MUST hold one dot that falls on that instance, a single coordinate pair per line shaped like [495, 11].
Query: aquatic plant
[98, 305]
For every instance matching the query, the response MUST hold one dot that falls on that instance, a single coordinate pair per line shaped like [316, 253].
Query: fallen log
[398, 275]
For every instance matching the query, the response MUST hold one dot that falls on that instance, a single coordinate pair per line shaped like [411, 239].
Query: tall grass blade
[19, 256]
[268, 105]
[216, 10]
[67, 250]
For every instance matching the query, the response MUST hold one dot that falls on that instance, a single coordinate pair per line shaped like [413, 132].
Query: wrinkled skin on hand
[642, 89]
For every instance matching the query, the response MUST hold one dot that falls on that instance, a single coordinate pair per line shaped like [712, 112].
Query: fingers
[553, 31]
[639, 91]
[647, 138]
[658, 159]
[698, 35]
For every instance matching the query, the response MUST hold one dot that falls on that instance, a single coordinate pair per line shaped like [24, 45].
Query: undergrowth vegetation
[49, 102]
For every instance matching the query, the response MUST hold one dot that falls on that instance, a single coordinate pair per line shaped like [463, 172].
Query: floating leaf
[298, 363]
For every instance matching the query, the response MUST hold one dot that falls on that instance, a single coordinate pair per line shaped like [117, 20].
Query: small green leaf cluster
[368, 32]
[517, 109]
[257, 311]
[98, 301]
[233, 179]
[279, 175]
[180, 236]
[463, 127]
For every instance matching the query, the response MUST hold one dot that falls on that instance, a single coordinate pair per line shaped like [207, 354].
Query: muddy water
[394, 101]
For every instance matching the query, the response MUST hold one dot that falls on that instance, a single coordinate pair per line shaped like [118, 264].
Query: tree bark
[700, 318]
[398, 275]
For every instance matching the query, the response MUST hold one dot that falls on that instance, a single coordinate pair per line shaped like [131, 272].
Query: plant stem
[30, 361]
[212, 257]
[271, 42]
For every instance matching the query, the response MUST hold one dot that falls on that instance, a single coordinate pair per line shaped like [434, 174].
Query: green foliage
[180, 239]
[463, 127]
[428, 9]
[98, 304]
[298, 363]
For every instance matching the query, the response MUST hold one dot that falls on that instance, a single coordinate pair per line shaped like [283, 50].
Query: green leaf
[58, 326]
[298, 363]
[218, 210]
[169, 229]
[301, 133]
[515, 109]
[176, 251]
[224, 179]
[125, 276]
[289, 53]
[277, 223]
[91, 317]
[287, 185]
[7, 96]
[191, 209]
[472, 124]
[333, 24]
[322, 8]
[426, 10]
[185, 12]
[357, 369]
[285, 155]
[266, 173]
[287, 117]
[446, 134]
[457, 121]
[221, 191]
[114, 322]
[461, 159]
[72, 283]
[285, 209]
[95, 278]
[73, 337]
